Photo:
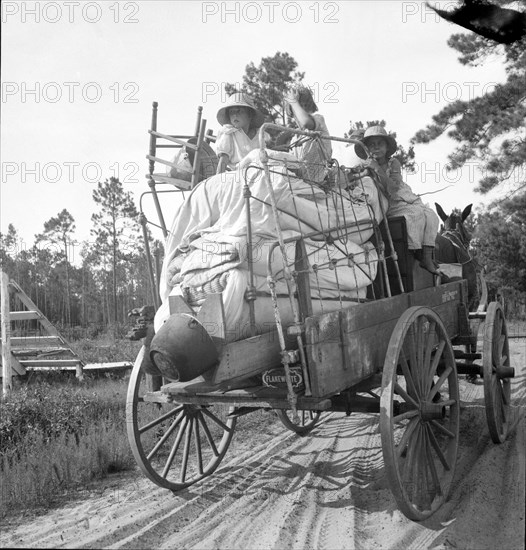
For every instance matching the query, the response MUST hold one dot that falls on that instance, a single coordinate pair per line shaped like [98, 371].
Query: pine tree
[267, 83]
[59, 230]
[488, 129]
[500, 240]
[116, 232]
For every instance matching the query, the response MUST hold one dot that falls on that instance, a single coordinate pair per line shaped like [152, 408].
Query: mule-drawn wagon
[279, 293]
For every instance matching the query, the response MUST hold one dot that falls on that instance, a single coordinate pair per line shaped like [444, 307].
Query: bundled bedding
[207, 250]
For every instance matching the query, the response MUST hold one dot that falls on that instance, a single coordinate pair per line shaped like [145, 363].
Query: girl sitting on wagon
[238, 135]
[314, 153]
[422, 223]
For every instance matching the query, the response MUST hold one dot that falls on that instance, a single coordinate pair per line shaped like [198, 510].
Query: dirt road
[325, 490]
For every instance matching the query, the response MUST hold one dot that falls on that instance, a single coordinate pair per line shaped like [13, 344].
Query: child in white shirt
[240, 122]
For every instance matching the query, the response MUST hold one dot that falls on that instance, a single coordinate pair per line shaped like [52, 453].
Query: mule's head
[455, 222]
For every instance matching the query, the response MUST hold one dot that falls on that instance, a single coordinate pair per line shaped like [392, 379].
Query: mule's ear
[466, 212]
[441, 213]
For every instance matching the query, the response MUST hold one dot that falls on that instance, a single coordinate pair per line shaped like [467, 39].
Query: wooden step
[28, 341]
[24, 315]
[19, 352]
[50, 362]
[120, 365]
[92, 367]
[16, 366]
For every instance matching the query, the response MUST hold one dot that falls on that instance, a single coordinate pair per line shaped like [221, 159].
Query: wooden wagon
[397, 351]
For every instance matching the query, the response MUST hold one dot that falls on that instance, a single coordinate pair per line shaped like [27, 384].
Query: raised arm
[304, 119]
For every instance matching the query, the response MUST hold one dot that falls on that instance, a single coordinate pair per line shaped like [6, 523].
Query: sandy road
[325, 491]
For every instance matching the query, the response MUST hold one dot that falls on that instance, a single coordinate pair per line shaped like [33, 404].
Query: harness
[459, 245]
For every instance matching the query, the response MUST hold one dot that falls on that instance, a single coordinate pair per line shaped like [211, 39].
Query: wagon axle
[502, 373]
[432, 411]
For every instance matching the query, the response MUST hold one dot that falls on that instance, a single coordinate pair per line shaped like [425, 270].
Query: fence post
[6, 333]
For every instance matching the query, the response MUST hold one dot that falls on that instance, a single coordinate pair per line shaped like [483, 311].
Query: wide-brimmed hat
[377, 131]
[239, 99]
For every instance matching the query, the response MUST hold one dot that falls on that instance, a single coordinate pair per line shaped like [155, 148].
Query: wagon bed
[391, 355]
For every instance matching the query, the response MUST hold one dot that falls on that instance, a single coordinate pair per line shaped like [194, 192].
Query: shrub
[55, 437]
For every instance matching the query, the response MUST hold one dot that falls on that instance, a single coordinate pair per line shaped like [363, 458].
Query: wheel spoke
[162, 418]
[216, 420]
[498, 323]
[436, 446]
[439, 383]
[412, 446]
[410, 428]
[427, 357]
[500, 350]
[404, 395]
[424, 491]
[198, 446]
[500, 401]
[406, 415]
[442, 429]
[503, 411]
[408, 377]
[413, 361]
[186, 451]
[208, 434]
[167, 434]
[431, 462]
[504, 387]
[499, 408]
[420, 343]
[416, 463]
[175, 448]
[434, 364]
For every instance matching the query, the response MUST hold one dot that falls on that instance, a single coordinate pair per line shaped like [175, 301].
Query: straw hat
[376, 131]
[239, 99]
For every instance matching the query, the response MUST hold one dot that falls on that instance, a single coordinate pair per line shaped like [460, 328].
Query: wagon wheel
[495, 362]
[419, 413]
[306, 420]
[174, 444]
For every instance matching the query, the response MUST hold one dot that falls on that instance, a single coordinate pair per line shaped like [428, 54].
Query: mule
[452, 246]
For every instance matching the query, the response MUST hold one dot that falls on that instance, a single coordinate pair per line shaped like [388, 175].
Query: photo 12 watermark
[322, 92]
[69, 92]
[67, 172]
[471, 172]
[69, 12]
[270, 12]
[423, 12]
[449, 92]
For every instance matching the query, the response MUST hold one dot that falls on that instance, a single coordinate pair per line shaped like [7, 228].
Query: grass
[105, 349]
[57, 436]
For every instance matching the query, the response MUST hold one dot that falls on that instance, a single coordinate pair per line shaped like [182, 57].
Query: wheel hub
[432, 411]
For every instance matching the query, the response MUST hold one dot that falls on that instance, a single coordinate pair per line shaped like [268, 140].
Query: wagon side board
[248, 357]
[347, 346]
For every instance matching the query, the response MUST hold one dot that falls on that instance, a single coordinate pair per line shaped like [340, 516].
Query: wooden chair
[200, 161]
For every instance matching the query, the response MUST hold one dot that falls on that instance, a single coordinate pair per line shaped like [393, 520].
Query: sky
[79, 79]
